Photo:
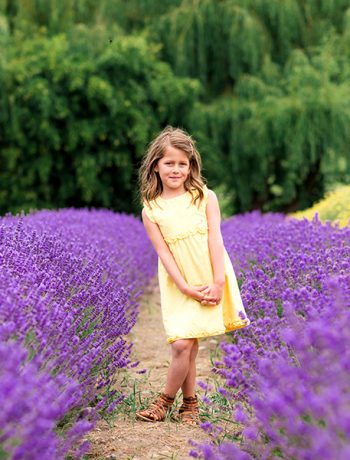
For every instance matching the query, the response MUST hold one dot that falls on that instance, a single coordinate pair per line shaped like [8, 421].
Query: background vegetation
[263, 86]
[334, 207]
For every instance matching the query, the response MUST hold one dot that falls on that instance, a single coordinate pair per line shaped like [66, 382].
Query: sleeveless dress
[185, 230]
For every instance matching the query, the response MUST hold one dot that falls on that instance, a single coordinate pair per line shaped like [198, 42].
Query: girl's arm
[169, 262]
[216, 245]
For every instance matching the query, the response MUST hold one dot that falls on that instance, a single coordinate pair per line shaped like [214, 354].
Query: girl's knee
[183, 346]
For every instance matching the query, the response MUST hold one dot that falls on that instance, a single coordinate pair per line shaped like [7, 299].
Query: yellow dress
[184, 228]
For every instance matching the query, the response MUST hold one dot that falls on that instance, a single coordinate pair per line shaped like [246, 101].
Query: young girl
[198, 288]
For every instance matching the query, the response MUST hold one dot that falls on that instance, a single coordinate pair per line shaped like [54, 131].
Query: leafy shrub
[78, 112]
[335, 207]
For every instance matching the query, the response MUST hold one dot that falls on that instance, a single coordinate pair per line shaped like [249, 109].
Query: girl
[198, 288]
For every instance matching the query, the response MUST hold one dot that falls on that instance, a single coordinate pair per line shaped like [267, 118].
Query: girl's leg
[179, 366]
[189, 385]
[182, 367]
[189, 411]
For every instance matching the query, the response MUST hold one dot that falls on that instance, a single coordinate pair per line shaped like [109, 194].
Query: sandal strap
[190, 403]
[189, 411]
[159, 408]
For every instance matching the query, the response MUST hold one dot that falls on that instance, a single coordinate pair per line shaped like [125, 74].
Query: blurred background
[262, 85]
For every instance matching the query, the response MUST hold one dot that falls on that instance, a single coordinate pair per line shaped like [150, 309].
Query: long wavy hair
[150, 184]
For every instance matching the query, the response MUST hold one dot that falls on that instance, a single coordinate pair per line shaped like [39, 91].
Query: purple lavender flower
[69, 284]
[290, 368]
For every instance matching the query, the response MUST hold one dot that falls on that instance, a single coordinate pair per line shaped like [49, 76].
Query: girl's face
[173, 169]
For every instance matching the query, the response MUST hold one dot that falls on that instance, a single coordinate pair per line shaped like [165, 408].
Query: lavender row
[69, 287]
[288, 372]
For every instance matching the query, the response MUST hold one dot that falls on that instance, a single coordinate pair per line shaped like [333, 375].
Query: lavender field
[288, 373]
[69, 287]
[70, 281]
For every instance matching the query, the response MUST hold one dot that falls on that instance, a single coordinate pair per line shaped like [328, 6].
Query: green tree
[262, 84]
[61, 15]
[77, 117]
[275, 105]
[276, 138]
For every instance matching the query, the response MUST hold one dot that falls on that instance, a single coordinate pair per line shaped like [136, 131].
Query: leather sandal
[189, 412]
[158, 409]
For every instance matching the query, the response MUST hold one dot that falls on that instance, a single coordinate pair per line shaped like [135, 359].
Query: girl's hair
[149, 181]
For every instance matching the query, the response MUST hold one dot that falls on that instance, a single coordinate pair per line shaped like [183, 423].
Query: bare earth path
[130, 439]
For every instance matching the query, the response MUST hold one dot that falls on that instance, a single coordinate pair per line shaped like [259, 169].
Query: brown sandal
[188, 412]
[157, 410]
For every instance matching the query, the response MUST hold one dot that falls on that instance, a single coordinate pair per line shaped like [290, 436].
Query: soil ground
[126, 438]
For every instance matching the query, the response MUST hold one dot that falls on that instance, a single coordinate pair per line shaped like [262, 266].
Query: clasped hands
[207, 295]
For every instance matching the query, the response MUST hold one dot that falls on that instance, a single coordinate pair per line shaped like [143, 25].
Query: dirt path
[130, 439]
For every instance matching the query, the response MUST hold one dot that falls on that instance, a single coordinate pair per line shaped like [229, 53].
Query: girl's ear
[156, 168]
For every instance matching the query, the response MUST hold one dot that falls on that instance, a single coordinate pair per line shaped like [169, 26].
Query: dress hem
[229, 328]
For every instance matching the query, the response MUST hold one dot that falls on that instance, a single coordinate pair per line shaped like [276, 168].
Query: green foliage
[263, 86]
[276, 103]
[77, 116]
[212, 41]
[61, 15]
[219, 41]
[277, 139]
[334, 207]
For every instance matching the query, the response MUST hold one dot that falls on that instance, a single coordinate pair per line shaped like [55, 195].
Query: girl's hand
[197, 293]
[213, 292]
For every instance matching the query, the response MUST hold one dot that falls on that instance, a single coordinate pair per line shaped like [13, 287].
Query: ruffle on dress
[182, 236]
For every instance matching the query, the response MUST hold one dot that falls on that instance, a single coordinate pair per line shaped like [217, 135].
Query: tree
[275, 104]
[78, 116]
